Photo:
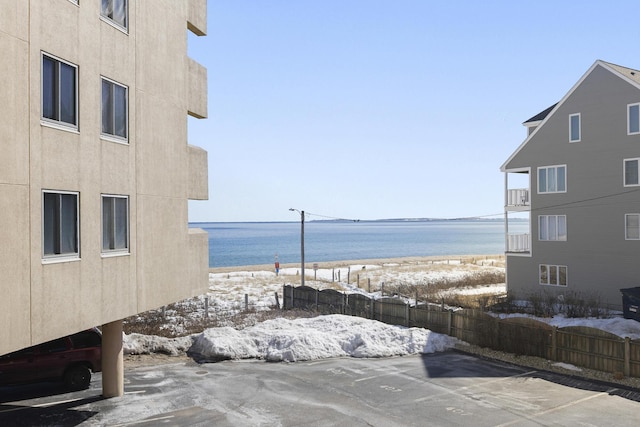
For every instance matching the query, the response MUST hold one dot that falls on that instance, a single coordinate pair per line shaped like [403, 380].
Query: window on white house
[632, 226]
[633, 119]
[114, 109]
[574, 128]
[552, 179]
[631, 172]
[555, 275]
[60, 224]
[552, 227]
[59, 91]
[116, 11]
[115, 223]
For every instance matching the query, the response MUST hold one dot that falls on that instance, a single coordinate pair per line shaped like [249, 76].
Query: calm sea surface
[242, 243]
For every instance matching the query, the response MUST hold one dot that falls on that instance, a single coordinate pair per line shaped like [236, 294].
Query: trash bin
[631, 303]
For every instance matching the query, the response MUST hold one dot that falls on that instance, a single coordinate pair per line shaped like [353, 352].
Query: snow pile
[616, 325]
[315, 338]
[146, 344]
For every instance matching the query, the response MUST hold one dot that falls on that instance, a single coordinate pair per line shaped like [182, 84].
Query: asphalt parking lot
[443, 389]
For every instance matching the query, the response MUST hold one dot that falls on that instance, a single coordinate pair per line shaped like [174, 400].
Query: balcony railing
[518, 197]
[518, 243]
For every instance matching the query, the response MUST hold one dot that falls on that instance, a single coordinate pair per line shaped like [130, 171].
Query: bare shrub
[185, 319]
[436, 290]
[580, 305]
[542, 304]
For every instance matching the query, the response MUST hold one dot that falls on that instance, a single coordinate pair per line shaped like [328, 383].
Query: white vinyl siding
[555, 275]
[552, 227]
[60, 236]
[633, 119]
[552, 179]
[575, 128]
[632, 226]
[631, 172]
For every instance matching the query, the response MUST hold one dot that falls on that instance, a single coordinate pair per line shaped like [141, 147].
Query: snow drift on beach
[315, 338]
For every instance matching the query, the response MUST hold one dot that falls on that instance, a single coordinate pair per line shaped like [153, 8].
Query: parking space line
[422, 399]
[558, 408]
[149, 420]
[41, 405]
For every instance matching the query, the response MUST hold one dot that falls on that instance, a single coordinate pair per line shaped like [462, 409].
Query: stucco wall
[166, 262]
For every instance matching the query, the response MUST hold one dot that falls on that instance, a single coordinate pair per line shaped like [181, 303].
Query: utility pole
[301, 245]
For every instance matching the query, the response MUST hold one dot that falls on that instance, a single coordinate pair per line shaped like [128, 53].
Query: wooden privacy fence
[577, 345]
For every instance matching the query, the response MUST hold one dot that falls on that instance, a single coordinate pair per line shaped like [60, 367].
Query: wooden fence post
[554, 343]
[369, 285]
[277, 301]
[293, 301]
[317, 297]
[333, 274]
[246, 302]
[206, 307]
[627, 357]
[358, 280]
[406, 313]
[449, 323]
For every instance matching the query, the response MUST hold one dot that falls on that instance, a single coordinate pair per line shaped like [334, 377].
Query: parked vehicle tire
[77, 377]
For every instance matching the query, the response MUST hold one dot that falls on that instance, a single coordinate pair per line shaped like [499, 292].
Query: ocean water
[241, 243]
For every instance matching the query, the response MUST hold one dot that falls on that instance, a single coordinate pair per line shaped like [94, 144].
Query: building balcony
[518, 199]
[518, 243]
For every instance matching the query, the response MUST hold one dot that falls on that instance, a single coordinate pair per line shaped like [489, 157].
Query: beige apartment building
[95, 167]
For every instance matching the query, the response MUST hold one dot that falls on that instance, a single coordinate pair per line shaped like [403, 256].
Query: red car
[70, 359]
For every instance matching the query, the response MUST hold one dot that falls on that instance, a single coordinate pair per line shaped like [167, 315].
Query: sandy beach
[425, 262]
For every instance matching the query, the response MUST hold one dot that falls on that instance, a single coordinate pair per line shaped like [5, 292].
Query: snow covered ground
[328, 336]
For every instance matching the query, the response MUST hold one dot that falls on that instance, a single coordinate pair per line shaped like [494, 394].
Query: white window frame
[66, 256]
[546, 169]
[111, 136]
[637, 114]
[624, 172]
[57, 122]
[571, 136]
[114, 250]
[552, 228]
[109, 20]
[548, 268]
[636, 235]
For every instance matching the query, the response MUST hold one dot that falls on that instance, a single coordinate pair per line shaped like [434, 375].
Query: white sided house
[576, 179]
[95, 168]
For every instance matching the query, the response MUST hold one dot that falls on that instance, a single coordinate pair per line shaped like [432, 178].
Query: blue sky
[385, 109]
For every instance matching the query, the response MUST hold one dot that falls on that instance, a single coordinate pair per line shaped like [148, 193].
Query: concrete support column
[112, 360]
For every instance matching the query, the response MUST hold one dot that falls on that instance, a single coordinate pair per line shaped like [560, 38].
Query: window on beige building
[59, 91]
[114, 109]
[115, 11]
[60, 235]
[115, 223]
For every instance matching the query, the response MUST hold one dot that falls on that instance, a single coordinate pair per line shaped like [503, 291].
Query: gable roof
[541, 115]
[629, 75]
